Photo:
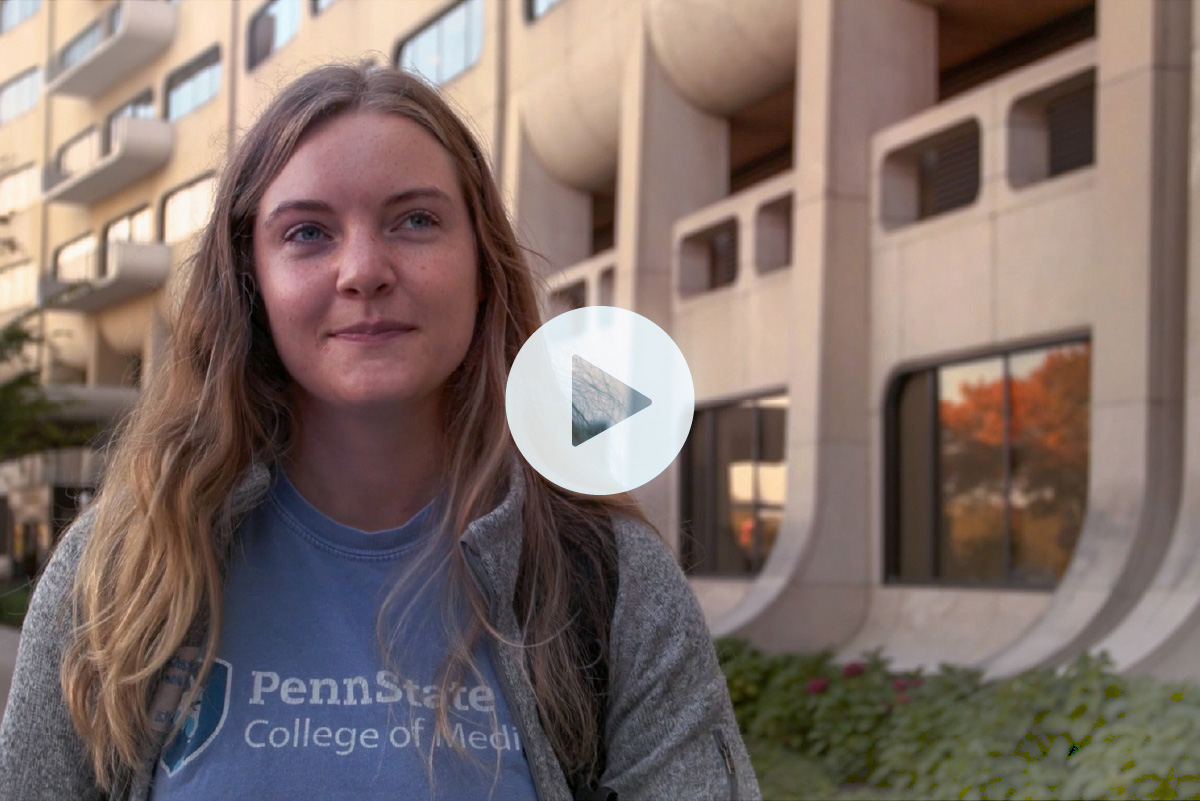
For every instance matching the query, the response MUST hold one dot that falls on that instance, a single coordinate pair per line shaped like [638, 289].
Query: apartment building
[929, 261]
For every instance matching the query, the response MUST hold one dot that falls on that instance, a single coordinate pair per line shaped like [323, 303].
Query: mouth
[373, 331]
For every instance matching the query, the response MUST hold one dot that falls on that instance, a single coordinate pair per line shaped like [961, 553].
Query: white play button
[600, 400]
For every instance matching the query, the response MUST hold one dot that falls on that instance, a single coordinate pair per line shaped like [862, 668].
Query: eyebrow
[322, 206]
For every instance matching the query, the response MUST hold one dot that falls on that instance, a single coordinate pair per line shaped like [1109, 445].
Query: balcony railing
[121, 40]
[982, 151]
[122, 271]
[101, 166]
[591, 282]
[735, 240]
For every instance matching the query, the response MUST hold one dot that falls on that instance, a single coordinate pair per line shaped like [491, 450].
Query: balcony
[134, 149]
[730, 266]
[126, 270]
[83, 404]
[591, 282]
[123, 39]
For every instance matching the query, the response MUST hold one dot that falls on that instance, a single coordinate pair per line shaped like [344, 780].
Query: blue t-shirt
[300, 705]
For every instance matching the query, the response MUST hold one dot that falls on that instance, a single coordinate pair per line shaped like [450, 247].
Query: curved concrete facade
[724, 54]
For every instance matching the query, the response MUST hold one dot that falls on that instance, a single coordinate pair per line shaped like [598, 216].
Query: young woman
[317, 567]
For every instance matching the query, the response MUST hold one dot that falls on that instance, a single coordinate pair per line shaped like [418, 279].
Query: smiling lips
[373, 331]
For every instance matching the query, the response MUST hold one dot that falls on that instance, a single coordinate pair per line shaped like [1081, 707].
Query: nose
[366, 266]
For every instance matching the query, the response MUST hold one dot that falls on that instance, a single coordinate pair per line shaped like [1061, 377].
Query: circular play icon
[600, 400]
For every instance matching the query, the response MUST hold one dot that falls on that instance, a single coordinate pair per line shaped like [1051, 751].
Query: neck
[368, 471]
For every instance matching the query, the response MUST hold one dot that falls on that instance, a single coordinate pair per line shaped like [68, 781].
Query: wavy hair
[217, 405]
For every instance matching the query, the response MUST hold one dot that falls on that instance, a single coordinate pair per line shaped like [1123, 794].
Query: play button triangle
[599, 401]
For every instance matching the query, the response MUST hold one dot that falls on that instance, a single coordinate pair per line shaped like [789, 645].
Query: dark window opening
[963, 64]
[603, 221]
[760, 139]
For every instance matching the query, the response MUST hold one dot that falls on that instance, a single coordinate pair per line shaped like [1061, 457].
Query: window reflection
[734, 486]
[988, 468]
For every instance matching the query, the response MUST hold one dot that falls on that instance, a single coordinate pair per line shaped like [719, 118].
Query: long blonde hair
[217, 405]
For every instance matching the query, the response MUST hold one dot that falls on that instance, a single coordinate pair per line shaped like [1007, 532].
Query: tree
[29, 420]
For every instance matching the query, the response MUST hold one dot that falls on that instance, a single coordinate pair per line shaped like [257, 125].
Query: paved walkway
[8, 657]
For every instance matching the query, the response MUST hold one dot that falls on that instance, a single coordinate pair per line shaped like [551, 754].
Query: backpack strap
[596, 666]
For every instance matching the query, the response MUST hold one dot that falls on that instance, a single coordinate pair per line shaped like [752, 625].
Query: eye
[303, 233]
[420, 220]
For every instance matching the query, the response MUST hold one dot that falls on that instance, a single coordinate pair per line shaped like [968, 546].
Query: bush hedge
[861, 730]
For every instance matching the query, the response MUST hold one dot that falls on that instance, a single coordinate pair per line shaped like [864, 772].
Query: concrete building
[929, 260]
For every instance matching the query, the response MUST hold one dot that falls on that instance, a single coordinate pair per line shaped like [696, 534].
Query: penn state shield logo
[202, 720]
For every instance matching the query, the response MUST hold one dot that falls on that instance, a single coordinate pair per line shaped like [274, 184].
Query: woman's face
[366, 261]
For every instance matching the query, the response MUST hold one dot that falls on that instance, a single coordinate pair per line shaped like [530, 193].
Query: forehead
[363, 156]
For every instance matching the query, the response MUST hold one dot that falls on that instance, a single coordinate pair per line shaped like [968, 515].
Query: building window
[935, 175]
[82, 45]
[141, 107]
[19, 189]
[708, 259]
[271, 27]
[20, 94]
[536, 8]
[734, 484]
[186, 209]
[1053, 131]
[18, 287]
[136, 226]
[447, 46]
[320, 5]
[194, 83]
[76, 260]
[987, 468]
[14, 12]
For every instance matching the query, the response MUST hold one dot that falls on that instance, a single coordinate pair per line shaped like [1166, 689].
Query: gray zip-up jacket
[671, 733]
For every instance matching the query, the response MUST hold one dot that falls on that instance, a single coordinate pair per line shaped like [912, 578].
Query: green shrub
[14, 598]
[1078, 732]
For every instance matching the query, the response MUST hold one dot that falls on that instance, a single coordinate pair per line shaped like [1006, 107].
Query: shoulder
[655, 604]
[53, 587]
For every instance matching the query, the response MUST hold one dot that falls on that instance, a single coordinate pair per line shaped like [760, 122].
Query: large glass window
[136, 226]
[76, 260]
[19, 188]
[271, 27]
[734, 484]
[186, 209]
[320, 5]
[447, 46]
[14, 12]
[194, 83]
[20, 94]
[987, 468]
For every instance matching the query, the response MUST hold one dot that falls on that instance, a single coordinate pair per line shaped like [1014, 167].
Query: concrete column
[1142, 101]
[1161, 634]
[862, 65]
[553, 219]
[673, 159]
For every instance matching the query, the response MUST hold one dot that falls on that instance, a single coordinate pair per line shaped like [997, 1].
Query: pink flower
[853, 669]
[817, 685]
[900, 684]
